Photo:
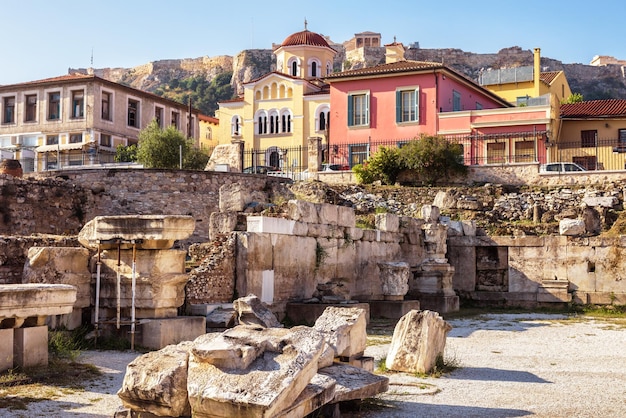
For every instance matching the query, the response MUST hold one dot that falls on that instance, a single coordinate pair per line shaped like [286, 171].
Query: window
[273, 124]
[52, 140]
[75, 158]
[286, 123]
[158, 116]
[294, 68]
[621, 136]
[54, 106]
[235, 126]
[479, 106]
[133, 113]
[51, 161]
[524, 151]
[358, 109]
[588, 138]
[357, 154]
[328, 68]
[105, 140]
[8, 116]
[106, 105]
[78, 104]
[496, 152]
[323, 118]
[175, 119]
[456, 101]
[76, 138]
[30, 115]
[407, 105]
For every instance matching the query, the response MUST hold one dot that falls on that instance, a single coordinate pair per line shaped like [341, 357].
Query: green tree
[126, 154]
[162, 148]
[433, 158]
[573, 98]
[383, 166]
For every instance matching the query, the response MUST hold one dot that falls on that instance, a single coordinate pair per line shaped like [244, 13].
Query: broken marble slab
[344, 329]
[354, 383]
[286, 361]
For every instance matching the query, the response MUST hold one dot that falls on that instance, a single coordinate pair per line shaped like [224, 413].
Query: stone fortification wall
[90, 193]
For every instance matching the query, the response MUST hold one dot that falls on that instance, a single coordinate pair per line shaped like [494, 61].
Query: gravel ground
[511, 365]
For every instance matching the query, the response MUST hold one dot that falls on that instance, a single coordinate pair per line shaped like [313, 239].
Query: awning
[59, 147]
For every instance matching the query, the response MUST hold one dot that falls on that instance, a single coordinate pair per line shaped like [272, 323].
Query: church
[281, 109]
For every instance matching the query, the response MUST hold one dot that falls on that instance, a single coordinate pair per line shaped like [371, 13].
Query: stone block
[445, 200]
[418, 339]
[30, 346]
[344, 330]
[251, 311]
[158, 333]
[571, 227]
[300, 210]
[327, 214]
[371, 235]
[430, 213]
[156, 383]
[346, 217]
[301, 229]
[392, 309]
[150, 231]
[601, 201]
[266, 224]
[363, 362]
[354, 383]
[320, 391]
[320, 230]
[389, 222]
[395, 279]
[60, 265]
[307, 313]
[469, 228]
[222, 223]
[355, 234]
[6, 349]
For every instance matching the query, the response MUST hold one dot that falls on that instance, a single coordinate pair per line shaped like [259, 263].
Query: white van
[560, 167]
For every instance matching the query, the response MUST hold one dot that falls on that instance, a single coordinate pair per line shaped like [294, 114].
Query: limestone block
[150, 231]
[301, 229]
[266, 224]
[601, 201]
[412, 229]
[225, 154]
[354, 383]
[286, 363]
[469, 228]
[592, 219]
[326, 359]
[320, 230]
[388, 222]
[320, 391]
[346, 216]
[385, 236]
[445, 200]
[6, 349]
[300, 210]
[344, 330]
[234, 197]
[370, 235]
[30, 346]
[20, 301]
[355, 234]
[327, 214]
[455, 228]
[418, 338]
[430, 213]
[160, 332]
[571, 227]
[60, 265]
[156, 382]
[222, 223]
[395, 279]
[252, 311]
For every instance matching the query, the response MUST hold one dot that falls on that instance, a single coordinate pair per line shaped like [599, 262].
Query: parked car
[560, 167]
[334, 167]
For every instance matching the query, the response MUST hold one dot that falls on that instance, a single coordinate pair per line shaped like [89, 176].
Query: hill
[171, 77]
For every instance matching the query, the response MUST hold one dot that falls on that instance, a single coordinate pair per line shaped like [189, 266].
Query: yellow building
[519, 85]
[280, 110]
[209, 127]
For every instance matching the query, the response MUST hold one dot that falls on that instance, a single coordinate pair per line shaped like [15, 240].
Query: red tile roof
[305, 38]
[549, 76]
[395, 67]
[209, 119]
[66, 77]
[611, 108]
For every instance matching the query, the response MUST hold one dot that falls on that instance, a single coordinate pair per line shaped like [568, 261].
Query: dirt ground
[509, 365]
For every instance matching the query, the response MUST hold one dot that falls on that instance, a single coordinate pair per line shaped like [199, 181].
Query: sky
[43, 38]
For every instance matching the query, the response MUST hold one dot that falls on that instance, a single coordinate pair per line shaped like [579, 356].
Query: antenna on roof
[92, 56]
[305, 23]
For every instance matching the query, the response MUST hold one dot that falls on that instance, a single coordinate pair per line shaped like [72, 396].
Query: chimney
[537, 71]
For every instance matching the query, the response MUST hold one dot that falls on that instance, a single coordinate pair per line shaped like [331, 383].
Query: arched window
[314, 69]
[294, 68]
[235, 126]
[274, 159]
[328, 68]
[322, 126]
[260, 127]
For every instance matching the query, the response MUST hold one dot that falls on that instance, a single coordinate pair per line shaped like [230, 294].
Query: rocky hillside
[592, 82]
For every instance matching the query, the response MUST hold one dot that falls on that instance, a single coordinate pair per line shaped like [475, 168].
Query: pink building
[393, 103]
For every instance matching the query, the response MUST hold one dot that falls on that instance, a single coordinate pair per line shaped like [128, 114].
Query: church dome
[305, 38]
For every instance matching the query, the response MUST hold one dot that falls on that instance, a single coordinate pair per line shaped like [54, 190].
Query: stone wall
[75, 197]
